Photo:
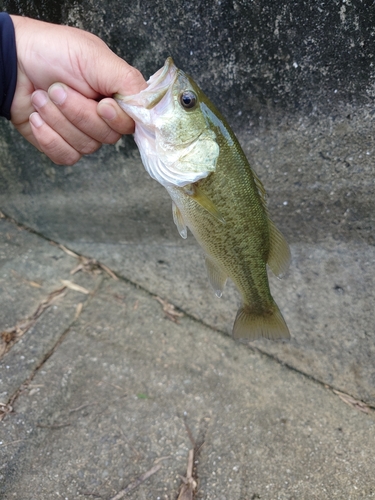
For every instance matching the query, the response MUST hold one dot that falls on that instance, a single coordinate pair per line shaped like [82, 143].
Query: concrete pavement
[105, 387]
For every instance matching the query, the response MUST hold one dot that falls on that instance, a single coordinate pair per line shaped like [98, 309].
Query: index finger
[82, 113]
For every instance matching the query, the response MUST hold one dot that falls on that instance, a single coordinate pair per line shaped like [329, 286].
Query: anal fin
[279, 255]
[216, 277]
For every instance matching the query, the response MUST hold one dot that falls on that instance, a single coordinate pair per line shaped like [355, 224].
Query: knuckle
[61, 157]
[80, 118]
[61, 154]
[55, 147]
[111, 137]
[134, 74]
[71, 159]
[89, 148]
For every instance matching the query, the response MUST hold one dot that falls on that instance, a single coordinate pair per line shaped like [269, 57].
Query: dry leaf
[74, 286]
[34, 284]
[78, 310]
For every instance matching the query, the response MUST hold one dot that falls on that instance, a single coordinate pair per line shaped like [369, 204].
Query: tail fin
[252, 324]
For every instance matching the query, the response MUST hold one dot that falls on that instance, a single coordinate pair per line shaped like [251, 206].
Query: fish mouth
[157, 86]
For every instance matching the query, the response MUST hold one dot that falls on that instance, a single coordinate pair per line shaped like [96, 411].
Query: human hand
[65, 120]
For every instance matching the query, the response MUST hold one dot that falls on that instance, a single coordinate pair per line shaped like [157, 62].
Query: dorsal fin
[261, 189]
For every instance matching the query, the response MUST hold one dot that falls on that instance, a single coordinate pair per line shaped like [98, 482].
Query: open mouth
[158, 85]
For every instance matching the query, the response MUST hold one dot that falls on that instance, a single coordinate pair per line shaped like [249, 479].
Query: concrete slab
[30, 270]
[97, 400]
[36, 307]
[115, 392]
[326, 298]
[318, 172]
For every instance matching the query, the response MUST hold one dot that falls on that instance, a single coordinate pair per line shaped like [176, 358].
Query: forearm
[8, 64]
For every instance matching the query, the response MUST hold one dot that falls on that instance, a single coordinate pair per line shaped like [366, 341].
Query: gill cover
[176, 144]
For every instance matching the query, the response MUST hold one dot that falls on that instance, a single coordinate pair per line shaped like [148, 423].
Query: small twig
[35, 284]
[141, 479]
[88, 264]
[189, 484]
[12, 442]
[82, 407]
[169, 310]
[11, 335]
[69, 252]
[108, 271]
[167, 457]
[54, 426]
[5, 408]
[190, 434]
[354, 403]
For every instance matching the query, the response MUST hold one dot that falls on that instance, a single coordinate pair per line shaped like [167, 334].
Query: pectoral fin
[203, 200]
[216, 277]
[179, 221]
[279, 255]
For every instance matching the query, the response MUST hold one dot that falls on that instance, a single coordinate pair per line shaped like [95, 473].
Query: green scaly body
[242, 246]
[188, 147]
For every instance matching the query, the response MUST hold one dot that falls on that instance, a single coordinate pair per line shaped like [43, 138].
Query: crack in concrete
[6, 408]
[90, 261]
[10, 336]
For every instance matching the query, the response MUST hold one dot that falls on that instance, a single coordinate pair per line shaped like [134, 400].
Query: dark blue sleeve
[8, 64]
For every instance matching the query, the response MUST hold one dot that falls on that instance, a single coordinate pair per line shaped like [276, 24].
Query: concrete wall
[296, 81]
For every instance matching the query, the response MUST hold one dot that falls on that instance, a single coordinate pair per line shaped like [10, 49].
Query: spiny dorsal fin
[279, 255]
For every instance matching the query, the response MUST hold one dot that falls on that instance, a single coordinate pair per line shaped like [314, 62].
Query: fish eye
[188, 99]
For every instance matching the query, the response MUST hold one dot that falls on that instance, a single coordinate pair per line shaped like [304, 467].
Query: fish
[188, 147]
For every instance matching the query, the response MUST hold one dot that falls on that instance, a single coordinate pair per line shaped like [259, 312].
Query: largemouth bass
[188, 147]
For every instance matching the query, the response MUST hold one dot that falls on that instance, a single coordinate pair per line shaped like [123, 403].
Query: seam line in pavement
[359, 405]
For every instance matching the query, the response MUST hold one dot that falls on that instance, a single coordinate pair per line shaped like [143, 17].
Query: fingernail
[36, 120]
[39, 98]
[106, 111]
[57, 93]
